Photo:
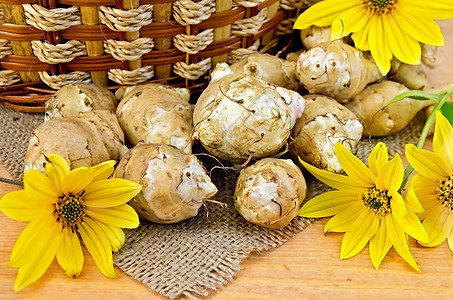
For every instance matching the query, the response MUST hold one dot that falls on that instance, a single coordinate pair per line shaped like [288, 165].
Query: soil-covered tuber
[239, 116]
[157, 113]
[175, 184]
[337, 70]
[323, 123]
[270, 192]
[87, 140]
[75, 98]
[383, 121]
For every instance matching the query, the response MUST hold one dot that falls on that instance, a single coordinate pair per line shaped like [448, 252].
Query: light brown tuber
[270, 192]
[175, 184]
[87, 140]
[383, 121]
[73, 99]
[323, 123]
[337, 70]
[157, 113]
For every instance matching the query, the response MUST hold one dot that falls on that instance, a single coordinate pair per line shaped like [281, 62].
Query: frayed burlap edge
[195, 257]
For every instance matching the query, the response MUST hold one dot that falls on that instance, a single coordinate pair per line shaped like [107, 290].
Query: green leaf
[447, 111]
[416, 95]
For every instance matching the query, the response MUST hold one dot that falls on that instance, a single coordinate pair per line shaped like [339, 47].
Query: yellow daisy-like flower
[62, 206]
[386, 28]
[433, 185]
[367, 206]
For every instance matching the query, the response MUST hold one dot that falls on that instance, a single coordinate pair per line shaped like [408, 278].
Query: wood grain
[306, 267]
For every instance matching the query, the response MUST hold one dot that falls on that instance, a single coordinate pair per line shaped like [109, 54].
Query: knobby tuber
[175, 184]
[270, 192]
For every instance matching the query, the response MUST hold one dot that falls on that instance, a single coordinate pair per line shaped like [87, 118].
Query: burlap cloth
[195, 257]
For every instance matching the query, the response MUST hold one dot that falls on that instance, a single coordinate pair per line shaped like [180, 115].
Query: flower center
[377, 201]
[69, 210]
[446, 193]
[380, 6]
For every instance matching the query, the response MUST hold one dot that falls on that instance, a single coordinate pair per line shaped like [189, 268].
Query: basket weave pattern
[111, 42]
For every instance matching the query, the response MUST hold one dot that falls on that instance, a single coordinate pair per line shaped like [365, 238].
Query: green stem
[429, 121]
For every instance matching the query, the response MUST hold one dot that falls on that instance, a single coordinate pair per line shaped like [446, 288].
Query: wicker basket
[46, 44]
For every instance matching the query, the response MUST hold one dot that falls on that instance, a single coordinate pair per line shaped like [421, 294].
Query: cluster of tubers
[250, 112]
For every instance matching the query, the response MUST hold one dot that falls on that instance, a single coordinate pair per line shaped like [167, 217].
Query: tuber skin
[414, 77]
[313, 35]
[429, 55]
[379, 121]
[337, 70]
[87, 140]
[75, 98]
[323, 123]
[239, 116]
[268, 68]
[270, 192]
[175, 184]
[157, 113]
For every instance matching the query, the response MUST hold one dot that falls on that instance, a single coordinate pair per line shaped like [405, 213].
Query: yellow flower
[433, 185]
[367, 205]
[385, 27]
[62, 206]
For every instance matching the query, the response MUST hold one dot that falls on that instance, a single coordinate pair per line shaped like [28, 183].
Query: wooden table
[306, 267]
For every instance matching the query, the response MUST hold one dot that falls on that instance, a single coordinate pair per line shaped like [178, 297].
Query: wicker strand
[8, 77]
[58, 54]
[2, 18]
[5, 48]
[193, 44]
[137, 76]
[187, 12]
[126, 20]
[51, 19]
[192, 71]
[123, 50]
[249, 26]
[57, 81]
[238, 54]
[248, 3]
[292, 4]
[285, 27]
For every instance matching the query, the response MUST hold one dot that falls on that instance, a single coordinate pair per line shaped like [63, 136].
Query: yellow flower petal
[327, 204]
[450, 241]
[43, 257]
[360, 38]
[122, 216]
[98, 245]
[103, 170]
[378, 44]
[425, 189]
[403, 46]
[378, 158]
[31, 240]
[443, 139]
[422, 30]
[18, 206]
[397, 204]
[39, 188]
[438, 224]
[379, 245]
[359, 233]
[77, 180]
[399, 241]
[334, 180]
[354, 167]
[56, 169]
[437, 10]
[70, 255]
[110, 192]
[344, 219]
[323, 13]
[391, 175]
[411, 225]
[114, 234]
[427, 163]
[412, 200]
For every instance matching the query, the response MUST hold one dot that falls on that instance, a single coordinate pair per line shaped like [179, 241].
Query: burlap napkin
[195, 257]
